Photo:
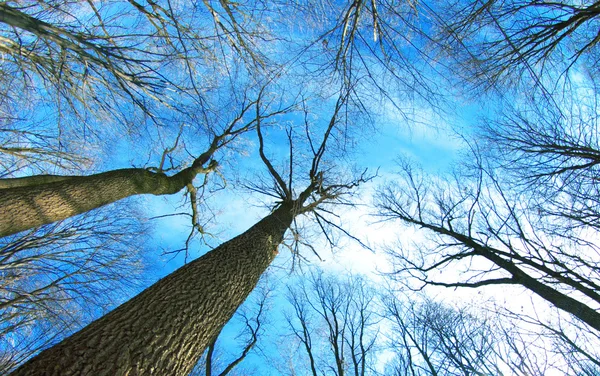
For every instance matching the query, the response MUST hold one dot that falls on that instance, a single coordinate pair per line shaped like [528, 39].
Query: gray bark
[28, 181]
[165, 329]
[28, 206]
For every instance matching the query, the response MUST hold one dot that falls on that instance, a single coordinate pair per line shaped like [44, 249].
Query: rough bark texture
[165, 329]
[30, 206]
[29, 181]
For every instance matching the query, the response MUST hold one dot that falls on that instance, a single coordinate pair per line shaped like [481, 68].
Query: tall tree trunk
[165, 329]
[31, 205]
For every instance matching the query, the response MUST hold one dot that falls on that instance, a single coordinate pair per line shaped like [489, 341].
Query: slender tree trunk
[559, 299]
[165, 329]
[31, 205]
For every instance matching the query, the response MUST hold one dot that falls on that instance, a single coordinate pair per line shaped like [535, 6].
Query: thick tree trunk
[31, 205]
[28, 181]
[165, 329]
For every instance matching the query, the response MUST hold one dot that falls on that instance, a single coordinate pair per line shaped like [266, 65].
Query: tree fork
[29, 206]
[165, 329]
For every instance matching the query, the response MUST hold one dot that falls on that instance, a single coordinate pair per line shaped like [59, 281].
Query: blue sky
[237, 209]
[395, 123]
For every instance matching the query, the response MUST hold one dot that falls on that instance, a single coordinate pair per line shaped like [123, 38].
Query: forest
[313, 187]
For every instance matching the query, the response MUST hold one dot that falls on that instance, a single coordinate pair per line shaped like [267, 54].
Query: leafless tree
[537, 343]
[496, 223]
[521, 209]
[378, 48]
[479, 220]
[550, 149]
[60, 276]
[35, 200]
[254, 319]
[335, 322]
[74, 74]
[430, 338]
[189, 307]
[125, 48]
[511, 40]
[61, 64]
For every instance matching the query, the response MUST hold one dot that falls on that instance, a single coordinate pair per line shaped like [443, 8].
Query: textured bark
[28, 206]
[165, 329]
[29, 181]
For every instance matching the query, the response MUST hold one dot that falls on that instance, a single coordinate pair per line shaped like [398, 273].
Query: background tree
[88, 60]
[535, 344]
[516, 41]
[431, 338]
[335, 322]
[520, 213]
[520, 207]
[550, 149]
[59, 276]
[377, 49]
[482, 221]
[68, 76]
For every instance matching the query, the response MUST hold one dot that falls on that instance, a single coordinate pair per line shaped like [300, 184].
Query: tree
[482, 221]
[550, 148]
[253, 317]
[68, 77]
[527, 204]
[32, 205]
[335, 323]
[533, 344]
[59, 276]
[89, 69]
[515, 41]
[522, 211]
[521, 208]
[168, 326]
[183, 311]
[382, 42]
[36, 200]
[94, 55]
[430, 338]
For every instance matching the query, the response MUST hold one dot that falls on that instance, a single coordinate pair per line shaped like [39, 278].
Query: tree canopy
[125, 124]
